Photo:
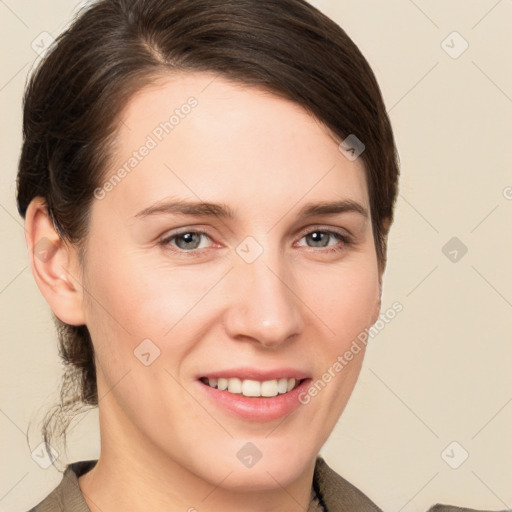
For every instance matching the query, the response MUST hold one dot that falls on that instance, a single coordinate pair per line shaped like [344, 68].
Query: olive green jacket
[334, 493]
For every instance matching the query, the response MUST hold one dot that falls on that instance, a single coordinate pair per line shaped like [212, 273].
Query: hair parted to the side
[115, 47]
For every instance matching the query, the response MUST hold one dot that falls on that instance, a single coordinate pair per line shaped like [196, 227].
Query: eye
[186, 240]
[322, 238]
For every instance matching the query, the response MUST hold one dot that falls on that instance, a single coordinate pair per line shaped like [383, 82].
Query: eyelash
[345, 240]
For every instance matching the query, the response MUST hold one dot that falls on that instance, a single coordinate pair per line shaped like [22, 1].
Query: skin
[164, 444]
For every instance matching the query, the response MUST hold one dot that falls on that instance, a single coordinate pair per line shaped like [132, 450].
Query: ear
[54, 264]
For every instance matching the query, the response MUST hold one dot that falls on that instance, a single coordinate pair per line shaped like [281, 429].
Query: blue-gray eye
[187, 241]
[324, 238]
[319, 238]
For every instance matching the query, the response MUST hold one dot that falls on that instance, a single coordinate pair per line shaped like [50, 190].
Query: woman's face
[257, 288]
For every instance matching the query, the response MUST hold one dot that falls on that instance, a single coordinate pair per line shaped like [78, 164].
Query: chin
[261, 465]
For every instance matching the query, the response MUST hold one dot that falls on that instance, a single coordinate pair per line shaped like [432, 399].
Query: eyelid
[166, 239]
[328, 229]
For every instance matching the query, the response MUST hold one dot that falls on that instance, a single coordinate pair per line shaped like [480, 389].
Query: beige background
[441, 370]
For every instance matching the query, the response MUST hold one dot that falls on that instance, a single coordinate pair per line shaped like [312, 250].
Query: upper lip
[257, 374]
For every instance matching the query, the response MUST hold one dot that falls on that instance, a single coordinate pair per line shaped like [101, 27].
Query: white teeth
[269, 388]
[253, 388]
[282, 385]
[235, 385]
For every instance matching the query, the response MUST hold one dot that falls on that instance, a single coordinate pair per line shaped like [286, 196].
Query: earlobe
[54, 264]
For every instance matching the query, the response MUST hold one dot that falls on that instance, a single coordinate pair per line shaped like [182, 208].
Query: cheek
[137, 297]
[346, 300]
[139, 294]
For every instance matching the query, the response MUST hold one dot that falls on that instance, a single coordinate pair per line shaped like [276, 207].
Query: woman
[208, 188]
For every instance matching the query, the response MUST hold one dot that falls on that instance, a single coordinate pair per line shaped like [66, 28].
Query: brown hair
[73, 101]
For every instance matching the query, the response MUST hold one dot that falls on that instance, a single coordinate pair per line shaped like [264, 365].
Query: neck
[136, 476]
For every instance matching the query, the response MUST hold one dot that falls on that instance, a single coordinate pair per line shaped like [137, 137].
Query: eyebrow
[223, 211]
[198, 208]
[332, 208]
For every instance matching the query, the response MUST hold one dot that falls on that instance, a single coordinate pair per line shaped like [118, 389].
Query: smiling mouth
[253, 388]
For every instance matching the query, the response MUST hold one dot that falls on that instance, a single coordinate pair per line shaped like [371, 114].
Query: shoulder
[337, 494]
[67, 497]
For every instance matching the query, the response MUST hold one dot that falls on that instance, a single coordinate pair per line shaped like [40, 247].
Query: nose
[264, 306]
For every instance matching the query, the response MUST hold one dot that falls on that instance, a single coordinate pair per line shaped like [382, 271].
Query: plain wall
[440, 371]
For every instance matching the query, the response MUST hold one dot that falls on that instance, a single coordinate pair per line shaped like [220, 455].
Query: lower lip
[257, 408]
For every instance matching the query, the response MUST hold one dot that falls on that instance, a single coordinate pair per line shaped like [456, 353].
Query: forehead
[199, 135]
